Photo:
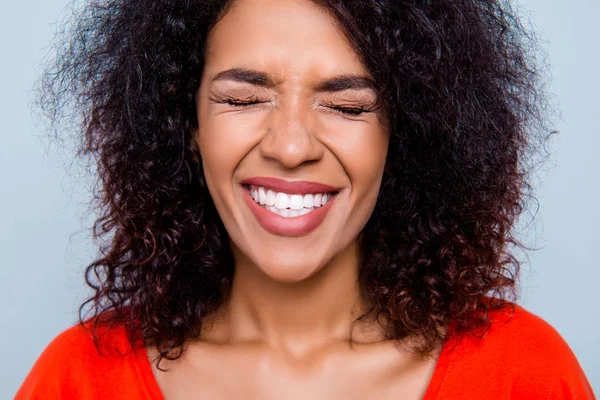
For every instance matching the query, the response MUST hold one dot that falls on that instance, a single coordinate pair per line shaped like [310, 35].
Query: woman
[304, 199]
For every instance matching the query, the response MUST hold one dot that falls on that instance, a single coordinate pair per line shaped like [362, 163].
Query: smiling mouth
[285, 204]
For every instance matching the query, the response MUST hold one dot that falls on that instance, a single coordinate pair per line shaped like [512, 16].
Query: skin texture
[291, 136]
[292, 132]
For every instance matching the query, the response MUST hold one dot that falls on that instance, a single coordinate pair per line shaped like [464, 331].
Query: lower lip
[294, 226]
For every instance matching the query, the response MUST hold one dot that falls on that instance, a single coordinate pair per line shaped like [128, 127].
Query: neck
[299, 316]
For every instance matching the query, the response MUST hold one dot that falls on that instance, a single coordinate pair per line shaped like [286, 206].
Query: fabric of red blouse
[522, 357]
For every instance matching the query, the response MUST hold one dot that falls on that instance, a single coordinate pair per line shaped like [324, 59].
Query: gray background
[44, 236]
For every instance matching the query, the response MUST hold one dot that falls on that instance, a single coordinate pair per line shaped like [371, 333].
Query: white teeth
[305, 211]
[288, 205]
[309, 201]
[317, 200]
[296, 202]
[277, 210]
[282, 200]
[289, 213]
[270, 198]
[262, 195]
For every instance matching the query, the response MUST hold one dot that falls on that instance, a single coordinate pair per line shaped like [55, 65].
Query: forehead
[283, 36]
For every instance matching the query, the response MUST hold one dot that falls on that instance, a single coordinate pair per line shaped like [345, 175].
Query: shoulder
[524, 355]
[532, 341]
[72, 363]
[76, 346]
[521, 330]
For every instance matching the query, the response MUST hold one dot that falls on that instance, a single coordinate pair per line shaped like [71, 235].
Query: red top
[524, 358]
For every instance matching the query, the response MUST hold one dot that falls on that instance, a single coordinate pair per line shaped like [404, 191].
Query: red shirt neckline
[147, 375]
[445, 360]
[444, 364]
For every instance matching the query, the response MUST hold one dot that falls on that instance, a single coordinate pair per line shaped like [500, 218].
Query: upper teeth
[283, 200]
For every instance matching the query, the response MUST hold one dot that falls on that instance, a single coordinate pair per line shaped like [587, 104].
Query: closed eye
[354, 111]
[349, 111]
[242, 103]
[236, 102]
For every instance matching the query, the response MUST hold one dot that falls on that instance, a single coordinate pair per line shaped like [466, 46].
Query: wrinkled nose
[290, 139]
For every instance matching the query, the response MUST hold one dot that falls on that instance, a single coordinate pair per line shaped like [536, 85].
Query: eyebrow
[243, 75]
[335, 84]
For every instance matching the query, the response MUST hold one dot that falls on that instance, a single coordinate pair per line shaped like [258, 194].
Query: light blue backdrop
[44, 244]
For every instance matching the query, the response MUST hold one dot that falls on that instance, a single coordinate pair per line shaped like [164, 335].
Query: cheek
[361, 148]
[223, 142]
[369, 158]
[366, 170]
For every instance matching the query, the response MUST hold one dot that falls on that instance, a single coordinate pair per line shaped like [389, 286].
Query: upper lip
[290, 187]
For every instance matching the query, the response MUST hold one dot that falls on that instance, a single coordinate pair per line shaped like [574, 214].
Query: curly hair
[461, 82]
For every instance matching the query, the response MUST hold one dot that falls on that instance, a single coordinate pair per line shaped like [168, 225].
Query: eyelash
[350, 111]
[240, 103]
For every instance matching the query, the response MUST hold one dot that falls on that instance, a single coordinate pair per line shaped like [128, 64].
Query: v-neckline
[443, 365]
[444, 362]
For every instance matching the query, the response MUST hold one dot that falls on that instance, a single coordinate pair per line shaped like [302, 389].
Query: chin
[286, 270]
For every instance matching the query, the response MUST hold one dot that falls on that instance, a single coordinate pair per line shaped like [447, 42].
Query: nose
[290, 138]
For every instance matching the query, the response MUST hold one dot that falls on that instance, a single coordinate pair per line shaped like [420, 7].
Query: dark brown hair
[461, 82]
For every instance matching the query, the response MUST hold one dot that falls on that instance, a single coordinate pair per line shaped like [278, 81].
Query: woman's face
[283, 95]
